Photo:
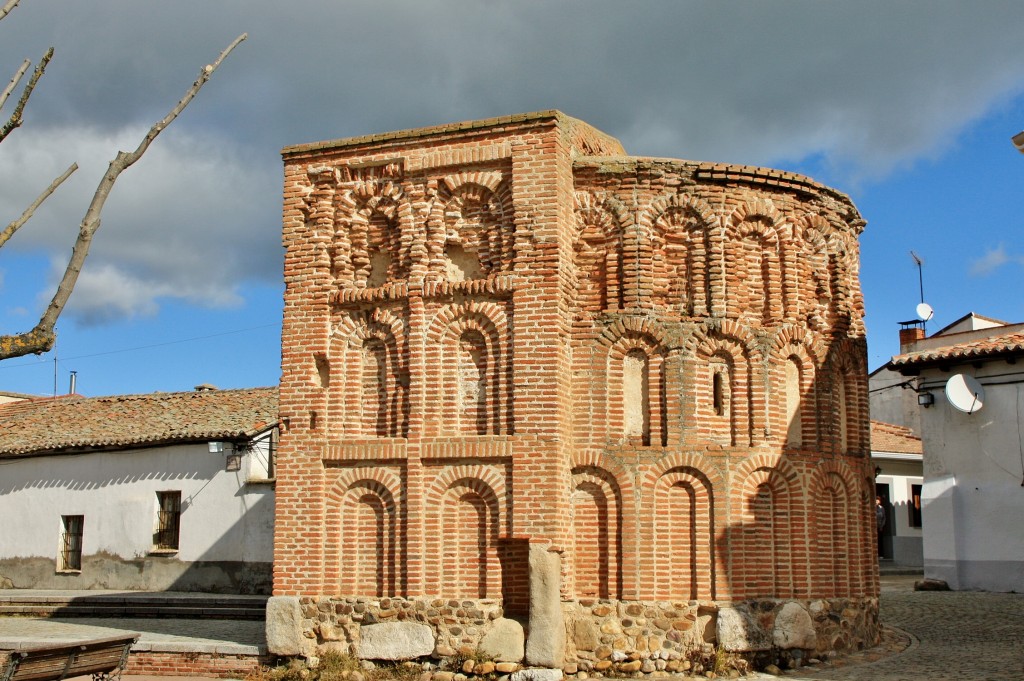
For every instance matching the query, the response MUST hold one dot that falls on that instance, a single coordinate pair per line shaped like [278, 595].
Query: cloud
[863, 89]
[993, 259]
[106, 293]
[184, 222]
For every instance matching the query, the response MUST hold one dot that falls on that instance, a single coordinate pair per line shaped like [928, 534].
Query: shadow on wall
[800, 566]
[73, 483]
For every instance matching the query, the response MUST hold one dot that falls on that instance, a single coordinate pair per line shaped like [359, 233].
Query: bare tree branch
[15, 120]
[15, 79]
[41, 338]
[6, 9]
[30, 211]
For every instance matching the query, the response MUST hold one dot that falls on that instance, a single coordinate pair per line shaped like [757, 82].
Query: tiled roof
[994, 345]
[75, 423]
[888, 437]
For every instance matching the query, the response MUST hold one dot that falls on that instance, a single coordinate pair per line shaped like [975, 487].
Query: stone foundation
[609, 637]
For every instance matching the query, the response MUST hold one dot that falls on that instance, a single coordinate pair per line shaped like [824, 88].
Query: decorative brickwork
[506, 336]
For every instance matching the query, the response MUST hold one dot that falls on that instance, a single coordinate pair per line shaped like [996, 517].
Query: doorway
[882, 490]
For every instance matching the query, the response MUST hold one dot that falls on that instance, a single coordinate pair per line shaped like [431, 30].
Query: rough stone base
[609, 637]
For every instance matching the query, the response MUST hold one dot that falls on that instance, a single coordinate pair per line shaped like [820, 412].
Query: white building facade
[899, 481]
[973, 493]
[149, 492]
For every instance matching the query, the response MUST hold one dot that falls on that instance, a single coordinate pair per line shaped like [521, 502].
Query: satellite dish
[965, 393]
[925, 312]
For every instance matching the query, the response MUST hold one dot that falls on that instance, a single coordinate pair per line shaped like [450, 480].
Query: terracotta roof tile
[997, 344]
[73, 423]
[888, 437]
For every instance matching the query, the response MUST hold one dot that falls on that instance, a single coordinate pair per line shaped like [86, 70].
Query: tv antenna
[924, 310]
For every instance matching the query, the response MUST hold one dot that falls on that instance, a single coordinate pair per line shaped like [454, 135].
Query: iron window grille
[71, 542]
[168, 521]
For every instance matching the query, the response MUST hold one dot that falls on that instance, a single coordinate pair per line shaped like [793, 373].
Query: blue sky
[908, 107]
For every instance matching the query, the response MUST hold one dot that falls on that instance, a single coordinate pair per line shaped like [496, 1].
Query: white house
[969, 379]
[899, 481]
[168, 491]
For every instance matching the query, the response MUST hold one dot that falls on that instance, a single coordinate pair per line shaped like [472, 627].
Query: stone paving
[932, 635]
[236, 637]
[936, 636]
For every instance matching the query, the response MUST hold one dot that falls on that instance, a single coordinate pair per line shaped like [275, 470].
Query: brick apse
[530, 384]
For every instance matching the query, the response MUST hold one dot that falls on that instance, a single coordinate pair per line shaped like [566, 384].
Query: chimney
[910, 333]
[74, 383]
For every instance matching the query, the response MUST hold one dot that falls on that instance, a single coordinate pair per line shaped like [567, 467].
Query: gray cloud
[862, 88]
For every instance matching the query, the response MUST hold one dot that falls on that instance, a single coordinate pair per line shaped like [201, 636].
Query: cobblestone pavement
[936, 636]
[930, 636]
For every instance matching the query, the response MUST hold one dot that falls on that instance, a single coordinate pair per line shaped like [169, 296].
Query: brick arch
[362, 514]
[596, 508]
[317, 189]
[680, 237]
[754, 259]
[360, 405]
[465, 518]
[363, 252]
[723, 398]
[768, 514]
[679, 518]
[849, 304]
[794, 345]
[636, 384]
[484, 327]
[633, 326]
[848, 370]
[485, 477]
[823, 272]
[492, 245]
[598, 248]
[838, 531]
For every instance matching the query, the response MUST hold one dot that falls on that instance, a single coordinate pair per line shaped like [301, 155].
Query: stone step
[194, 606]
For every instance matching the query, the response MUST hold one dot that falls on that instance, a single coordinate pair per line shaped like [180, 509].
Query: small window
[71, 542]
[915, 506]
[168, 521]
[717, 395]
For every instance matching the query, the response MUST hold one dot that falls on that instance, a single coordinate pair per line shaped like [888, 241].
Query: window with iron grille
[71, 542]
[168, 520]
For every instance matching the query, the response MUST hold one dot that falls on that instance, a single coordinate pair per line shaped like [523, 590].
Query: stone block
[545, 646]
[505, 642]
[284, 627]
[739, 631]
[585, 634]
[794, 628]
[537, 675]
[395, 641]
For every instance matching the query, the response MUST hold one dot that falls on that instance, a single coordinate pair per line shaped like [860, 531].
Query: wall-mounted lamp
[878, 471]
[925, 399]
[216, 447]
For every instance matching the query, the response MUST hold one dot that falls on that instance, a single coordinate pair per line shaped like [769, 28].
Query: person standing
[880, 519]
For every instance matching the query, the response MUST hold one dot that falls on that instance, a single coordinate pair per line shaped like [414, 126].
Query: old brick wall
[506, 333]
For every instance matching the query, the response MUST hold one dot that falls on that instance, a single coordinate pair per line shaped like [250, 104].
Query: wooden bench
[101, 658]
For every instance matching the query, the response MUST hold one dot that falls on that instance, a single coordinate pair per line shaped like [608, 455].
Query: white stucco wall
[224, 518]
[900, 475]
[973, 494]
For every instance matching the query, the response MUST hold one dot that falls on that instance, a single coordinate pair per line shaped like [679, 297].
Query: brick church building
[531, 384]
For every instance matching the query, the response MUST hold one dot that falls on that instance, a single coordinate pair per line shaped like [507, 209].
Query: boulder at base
[395, 641]
[794, 629]
[505, 642]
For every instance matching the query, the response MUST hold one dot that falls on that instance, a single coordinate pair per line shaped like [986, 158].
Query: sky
[908, 107]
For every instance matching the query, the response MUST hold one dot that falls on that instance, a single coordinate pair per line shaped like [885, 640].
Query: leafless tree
[41, 338]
